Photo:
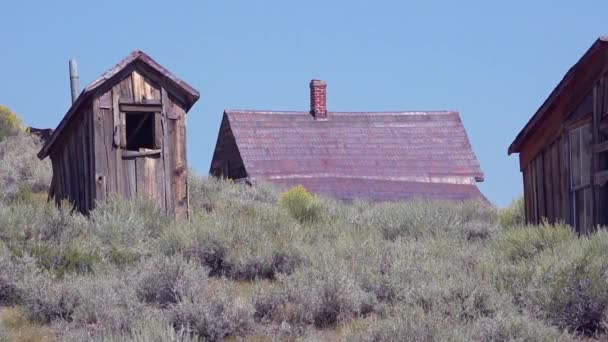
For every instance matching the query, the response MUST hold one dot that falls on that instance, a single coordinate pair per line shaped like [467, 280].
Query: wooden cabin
[563, 149]
[125, 134]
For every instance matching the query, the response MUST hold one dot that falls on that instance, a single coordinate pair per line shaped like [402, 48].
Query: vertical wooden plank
[557, 191]
[526, 199]
[87, 162]
[78, 163]
[565, 177]
[67, 172]
[138, 86]
[118, 143]
[186, 169]
[123, 130]
[116, 115]
[126, 89]
[158, 177]
[158, 131]
[101, 155]
[594, 196]
[58, 190]
[151, 90]
[70, 165]
[167, 154]
[547, 178]
[151, 184]
[140, 177]
[131, 177]
[181, 167]
[533, 171]
[541, 188]
[105, 100]
[62, 173]
[111, 176]
[92, 157]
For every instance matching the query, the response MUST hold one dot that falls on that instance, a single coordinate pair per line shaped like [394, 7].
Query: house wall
[546, 185]
[548, 192]
[160, 177]
[72, 161]
[227, 160]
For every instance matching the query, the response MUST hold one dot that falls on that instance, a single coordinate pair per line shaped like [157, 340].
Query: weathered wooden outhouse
[125, 134]
[563, 149]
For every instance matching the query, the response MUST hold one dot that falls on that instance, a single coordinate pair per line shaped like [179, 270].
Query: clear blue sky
[494, 61]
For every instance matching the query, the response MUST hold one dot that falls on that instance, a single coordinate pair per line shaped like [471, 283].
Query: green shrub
[20, 167]
[415, 324]
[10, 293]
[209, 193]
[145, 331]
[165, 281]
[10, 123]
[322, 296]
[127, 228]
[526, 242]
[214, 313]
[569, 285]
[301, 204]
[107, 301]
[240, 241]
[46, 300]
[514, 214]
[427, 219]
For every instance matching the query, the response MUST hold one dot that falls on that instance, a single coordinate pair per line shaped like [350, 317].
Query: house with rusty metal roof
[348, 155]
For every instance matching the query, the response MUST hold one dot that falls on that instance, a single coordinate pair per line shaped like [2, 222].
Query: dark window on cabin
[139, 128]
[580, 177]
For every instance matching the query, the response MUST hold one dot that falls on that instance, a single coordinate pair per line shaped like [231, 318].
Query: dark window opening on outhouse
[139, 131]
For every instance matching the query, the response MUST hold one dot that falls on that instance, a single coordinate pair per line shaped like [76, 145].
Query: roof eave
[192, 95]
[515, 146]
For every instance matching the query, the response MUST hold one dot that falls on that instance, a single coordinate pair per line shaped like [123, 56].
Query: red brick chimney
[318, 99]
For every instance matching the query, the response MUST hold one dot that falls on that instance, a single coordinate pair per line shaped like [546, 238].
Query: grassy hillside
[256, 264]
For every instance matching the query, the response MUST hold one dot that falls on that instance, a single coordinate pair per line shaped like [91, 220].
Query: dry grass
[20, 329]
[255, 265]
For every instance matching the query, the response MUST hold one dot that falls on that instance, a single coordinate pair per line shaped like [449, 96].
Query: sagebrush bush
[569, 285]
[145, 331]
[10, 293]
[525, 242]
[107, 301]
[240, 241]
[214, 313]
[127, 228]
[414, 324]
[208, 193]
[246, 267]
[166, 281]
[514, 214]
[20, 167]
[301, 204]
[46, 300]
[426, 219]
[10, 123]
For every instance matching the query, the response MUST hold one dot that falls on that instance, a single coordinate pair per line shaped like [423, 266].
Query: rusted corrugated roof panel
[375, 155]
[383, 190]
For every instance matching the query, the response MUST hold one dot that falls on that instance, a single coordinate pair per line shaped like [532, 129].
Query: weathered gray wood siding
[72, 159]
[162, 177]
[549, 188]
